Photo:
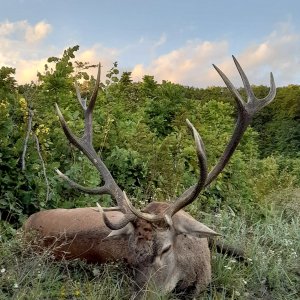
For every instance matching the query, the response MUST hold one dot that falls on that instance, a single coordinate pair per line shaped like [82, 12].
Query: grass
[272, 271]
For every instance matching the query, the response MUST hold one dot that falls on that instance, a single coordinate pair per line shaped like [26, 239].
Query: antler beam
[85, 144]
[246, 111]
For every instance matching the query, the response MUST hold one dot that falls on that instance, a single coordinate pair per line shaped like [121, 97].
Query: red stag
[162, 242]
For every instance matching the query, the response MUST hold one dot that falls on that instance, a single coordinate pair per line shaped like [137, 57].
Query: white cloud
[23, 47]
[22, 30]
[19, 47]
[162, 40]
[6, 28]
[37, 32]
[191, 64]
[98, 53]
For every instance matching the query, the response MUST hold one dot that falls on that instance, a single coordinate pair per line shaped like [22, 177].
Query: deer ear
[125, 231]
[184, 223]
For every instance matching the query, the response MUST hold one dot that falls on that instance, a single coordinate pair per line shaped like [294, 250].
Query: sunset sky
[170, 39]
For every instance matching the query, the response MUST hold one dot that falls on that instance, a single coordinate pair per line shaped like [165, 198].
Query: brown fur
[81, 233]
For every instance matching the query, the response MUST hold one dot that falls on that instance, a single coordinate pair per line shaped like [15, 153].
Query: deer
[161, 242]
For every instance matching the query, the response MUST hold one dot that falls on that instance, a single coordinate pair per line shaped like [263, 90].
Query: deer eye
[165, 250]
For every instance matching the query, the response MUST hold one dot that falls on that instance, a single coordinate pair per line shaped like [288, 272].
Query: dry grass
[272, 246]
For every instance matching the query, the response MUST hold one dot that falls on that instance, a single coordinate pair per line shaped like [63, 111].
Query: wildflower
[96, 272]
[227, 267]
[3, 104]
[244, 281]
[23, 104]
[294, 254]
[43, 129]
[287, 242]
[16, 286]
[237, 293]
[2, 270]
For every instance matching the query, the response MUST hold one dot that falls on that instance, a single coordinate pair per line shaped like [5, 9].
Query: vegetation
[141, 134]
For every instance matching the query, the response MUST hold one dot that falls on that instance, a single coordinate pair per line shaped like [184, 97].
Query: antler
[246, 111]
[85, 145]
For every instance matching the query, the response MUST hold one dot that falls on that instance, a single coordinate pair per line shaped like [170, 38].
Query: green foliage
[163, 108]
[279, 124]
[7, 81]
[112, 75]
[141, 134]
[129, 167]
[272, 247]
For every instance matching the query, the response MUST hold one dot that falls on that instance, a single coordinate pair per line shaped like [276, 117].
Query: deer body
[162, 242]
[82, 233]
[77, 233]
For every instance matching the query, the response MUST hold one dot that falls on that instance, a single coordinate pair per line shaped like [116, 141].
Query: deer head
[152, 233]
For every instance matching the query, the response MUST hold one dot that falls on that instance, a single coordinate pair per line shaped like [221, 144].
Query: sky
[174, 40]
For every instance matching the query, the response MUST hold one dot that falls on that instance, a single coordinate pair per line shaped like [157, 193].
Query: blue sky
[172, 40]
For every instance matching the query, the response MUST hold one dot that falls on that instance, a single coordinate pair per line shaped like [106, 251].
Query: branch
[43, 166]
[29, 126]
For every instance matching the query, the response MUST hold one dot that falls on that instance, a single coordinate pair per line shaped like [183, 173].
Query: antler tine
[246, 111]
[88, 117]
[142, 215]
[89, 151]
[272, 93]
[185, 199]
[245, 80]
[95, 91]
[93, 191]
[80, 99]
[116, 225]
[85, 145]
[251, 97]
[231, 87]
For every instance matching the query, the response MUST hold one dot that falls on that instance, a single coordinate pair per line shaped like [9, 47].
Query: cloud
[191, 64]
[162, 40]
[37, 32]
[22, 30]
[21, 48]
[26, 70]
[98, 53]
[24, 47]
